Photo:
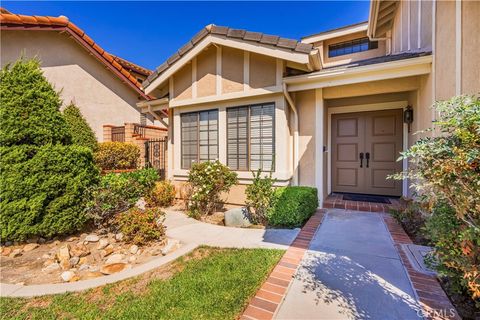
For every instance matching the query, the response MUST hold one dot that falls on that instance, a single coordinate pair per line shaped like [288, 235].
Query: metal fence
[156, 155]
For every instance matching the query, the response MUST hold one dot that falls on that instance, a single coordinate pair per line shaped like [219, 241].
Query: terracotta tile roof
[256, 37]
[132, 66]
[10, 21]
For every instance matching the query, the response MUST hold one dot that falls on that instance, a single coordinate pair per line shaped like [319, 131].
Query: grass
[209, 283]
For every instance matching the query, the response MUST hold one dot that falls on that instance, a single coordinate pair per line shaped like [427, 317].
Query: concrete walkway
[350, 271]
[190, 232]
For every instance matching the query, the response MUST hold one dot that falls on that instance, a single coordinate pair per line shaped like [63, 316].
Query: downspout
[295, 133]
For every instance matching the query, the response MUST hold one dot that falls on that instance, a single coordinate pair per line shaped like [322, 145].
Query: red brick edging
[433, 300]
[268, 298]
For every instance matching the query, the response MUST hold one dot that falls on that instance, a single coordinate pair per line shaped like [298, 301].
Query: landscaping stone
[133, 249]
[41, 240]
[132, 259]
[48, 262]
[30, 247]
[16, 253]
[172, 245]
[237, 217]
[115, 258]
[6, 251]
[106, 252]
[33, 240]
[74, 261]
[92, 275]
[51, 268]
[119, 236]
[141, 204]
[67, 275]
[79, 250]
[102, 244]
[92, 238]
[8, 243]
[63, 253]
[113, 268]
[71, 239]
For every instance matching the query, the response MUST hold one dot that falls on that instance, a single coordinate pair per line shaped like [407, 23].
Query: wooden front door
[365, 147]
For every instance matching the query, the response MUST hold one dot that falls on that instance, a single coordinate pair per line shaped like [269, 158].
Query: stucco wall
[182, 83]
[100, 95]
[232, 70]
[262, 71]
[305, 102]
[470, 47]
[206, 72]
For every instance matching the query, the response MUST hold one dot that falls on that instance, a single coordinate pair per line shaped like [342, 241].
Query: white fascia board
[380, 71]
[155, 102]
[335, 33]
[259, 48]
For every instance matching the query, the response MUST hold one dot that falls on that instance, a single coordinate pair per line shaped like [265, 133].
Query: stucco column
[319, 143]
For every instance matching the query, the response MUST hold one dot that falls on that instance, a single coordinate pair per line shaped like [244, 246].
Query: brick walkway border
[268, 298]
[433, 300]
[336, 201]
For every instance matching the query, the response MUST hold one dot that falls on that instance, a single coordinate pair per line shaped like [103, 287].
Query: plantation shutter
[208, 142]
[262, 137]
[237, 138]
[189, 138]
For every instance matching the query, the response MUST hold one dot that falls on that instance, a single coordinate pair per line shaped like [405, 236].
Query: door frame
[365, 108]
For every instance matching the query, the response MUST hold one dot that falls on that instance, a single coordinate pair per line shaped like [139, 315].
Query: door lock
[367, 156]
[361, 159]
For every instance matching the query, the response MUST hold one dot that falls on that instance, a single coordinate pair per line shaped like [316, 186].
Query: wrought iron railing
[139, 129]
[118, 134]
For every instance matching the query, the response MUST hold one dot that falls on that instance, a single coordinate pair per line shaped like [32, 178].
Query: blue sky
[147, 33]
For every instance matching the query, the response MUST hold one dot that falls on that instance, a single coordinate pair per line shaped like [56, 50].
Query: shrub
[445, 171]
[119, 192]
[43, 190]
[79, 128]
[44, 177]
[293, 206]
[412, 218]
[162, 194]
[117, 155]
[142, 226]
[260, 196]
[208, 179]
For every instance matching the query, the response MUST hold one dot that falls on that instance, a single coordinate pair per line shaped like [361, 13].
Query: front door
[365, 147]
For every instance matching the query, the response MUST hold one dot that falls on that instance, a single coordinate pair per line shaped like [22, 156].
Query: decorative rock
[171, 246]
[102, 244]
[65, 264]
[113, 268]
[92, 275]
[63, 253]
[238, 217]
[46, 256]
[108, 251]
[83, 267]
[71, 239]
[48, 262]
[67, 275]
[141, 204]
[134, 249]
[30, 247]
[82, 260]
[8, 243]
[16, 253]
[132, 259]
[92, 238]
[33, 240]
[6, 251]
[79, 250]
[74, 261]
[119, 236]
[115, 258]
[156, 251]
[74, 278]
[51, 268]
[42, 240]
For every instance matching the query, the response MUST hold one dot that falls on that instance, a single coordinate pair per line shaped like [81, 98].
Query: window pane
[237, 130]
[262, 142]
[352, 46]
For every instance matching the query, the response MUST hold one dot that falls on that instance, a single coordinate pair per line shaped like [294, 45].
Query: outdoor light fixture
[408, 116]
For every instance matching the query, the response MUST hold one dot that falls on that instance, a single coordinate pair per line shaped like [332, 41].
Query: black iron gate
[156, 155]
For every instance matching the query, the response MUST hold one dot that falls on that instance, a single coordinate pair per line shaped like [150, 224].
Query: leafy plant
[445, 172]
[208, 180]
[293, 206]
[117, 155]
[162, 195]
[118, 192]
[142, 226]
[79, 128]
[44, 177]
[260, 196]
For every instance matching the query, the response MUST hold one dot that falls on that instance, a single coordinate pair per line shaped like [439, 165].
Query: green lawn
[209, 283]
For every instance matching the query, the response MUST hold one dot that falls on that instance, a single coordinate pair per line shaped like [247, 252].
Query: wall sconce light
[408, 116]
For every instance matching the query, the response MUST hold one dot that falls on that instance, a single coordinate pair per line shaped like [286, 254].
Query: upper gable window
[352, 46]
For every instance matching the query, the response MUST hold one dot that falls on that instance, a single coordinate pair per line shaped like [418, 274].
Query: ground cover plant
[209, 283]
[44, 176]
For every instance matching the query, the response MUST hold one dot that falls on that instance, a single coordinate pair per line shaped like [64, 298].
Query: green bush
[445, 171]
[79, 128]
[260, 196]
[293, 206]
[207, 180]
[44, 177]
[142, 226]
[118, 192]
[162, 194]
[117, 156]
[43, 190]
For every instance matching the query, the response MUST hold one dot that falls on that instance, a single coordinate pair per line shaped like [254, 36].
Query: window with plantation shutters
[199, 137]
[250, 137]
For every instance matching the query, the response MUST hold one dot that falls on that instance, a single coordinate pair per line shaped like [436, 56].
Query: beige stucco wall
[232, 70]
[262, 71]
[182, 83]
[206, 72]
[100, 95]
[470, 47]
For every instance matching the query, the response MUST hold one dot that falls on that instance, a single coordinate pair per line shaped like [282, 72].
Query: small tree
[79, 128]
[260, 195]
[208, 180]
[44, 177]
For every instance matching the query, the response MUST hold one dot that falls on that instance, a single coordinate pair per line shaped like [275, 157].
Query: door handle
[367, 156]
[361, 159]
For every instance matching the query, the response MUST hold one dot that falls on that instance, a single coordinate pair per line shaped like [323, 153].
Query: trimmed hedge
[117, 155]
[293, 206]
[79, 128]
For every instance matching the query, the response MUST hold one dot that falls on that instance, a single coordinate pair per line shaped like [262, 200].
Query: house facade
[326, 111]
[105, 88]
